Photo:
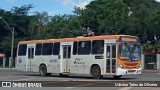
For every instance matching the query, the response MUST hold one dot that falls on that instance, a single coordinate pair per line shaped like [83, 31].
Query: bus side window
[56, 48]
[38, 49]
[84, 47]
[75, 48]
[47, 48]
[113, 50]
[108, 52]
[22, 49]
[97, 46]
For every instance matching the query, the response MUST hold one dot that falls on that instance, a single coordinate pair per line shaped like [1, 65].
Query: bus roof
[74, 39]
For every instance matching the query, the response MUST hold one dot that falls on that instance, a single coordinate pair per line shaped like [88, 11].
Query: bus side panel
[36, 63]
[21, 63]
[82, 64]
[56, 64]
[45, 60]
[52, 63]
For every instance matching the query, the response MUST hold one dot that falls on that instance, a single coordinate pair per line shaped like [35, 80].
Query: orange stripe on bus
[73, 39]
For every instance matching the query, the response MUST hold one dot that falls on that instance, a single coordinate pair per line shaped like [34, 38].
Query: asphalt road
[75, 82]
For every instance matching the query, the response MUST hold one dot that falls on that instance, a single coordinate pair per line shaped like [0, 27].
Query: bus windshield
[130, 51]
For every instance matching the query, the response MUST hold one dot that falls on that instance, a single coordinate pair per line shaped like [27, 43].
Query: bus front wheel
[96, 72]
[62, 75]
[43, 70]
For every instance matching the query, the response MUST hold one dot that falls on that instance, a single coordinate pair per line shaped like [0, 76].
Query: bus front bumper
[120, 71]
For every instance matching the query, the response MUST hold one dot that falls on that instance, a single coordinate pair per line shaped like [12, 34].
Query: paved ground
[82, 82]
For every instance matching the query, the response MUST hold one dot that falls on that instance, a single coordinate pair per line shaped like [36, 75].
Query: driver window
[124, 50]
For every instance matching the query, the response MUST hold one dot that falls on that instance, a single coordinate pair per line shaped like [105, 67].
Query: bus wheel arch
[96, 71]
[43, 70]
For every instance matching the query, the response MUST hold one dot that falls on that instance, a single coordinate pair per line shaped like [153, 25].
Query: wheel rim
[42, 70]
[96, 72]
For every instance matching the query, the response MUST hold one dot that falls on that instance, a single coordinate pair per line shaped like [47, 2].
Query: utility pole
[12, 44]
[12, 47]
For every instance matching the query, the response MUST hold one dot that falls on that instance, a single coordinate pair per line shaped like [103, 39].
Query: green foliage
[62, 27]
[142, 19]
[18, 19]
[104, 16]
[21, 11]
[135, 17]
[151, 46]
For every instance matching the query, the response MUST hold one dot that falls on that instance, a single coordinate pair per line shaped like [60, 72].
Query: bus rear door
[65, 58]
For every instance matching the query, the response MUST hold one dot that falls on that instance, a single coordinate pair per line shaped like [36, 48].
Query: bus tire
[43, 70]
[48, 74]
[117, 77]
[96, 72]
[62, 75]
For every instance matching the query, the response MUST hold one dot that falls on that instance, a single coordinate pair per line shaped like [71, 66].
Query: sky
[53, 7]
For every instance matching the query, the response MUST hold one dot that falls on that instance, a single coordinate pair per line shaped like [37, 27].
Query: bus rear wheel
[43, 70]
[96, 72]
[117, 77]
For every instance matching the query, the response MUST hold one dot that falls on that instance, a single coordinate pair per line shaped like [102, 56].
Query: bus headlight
[139, 66]
[121, 66]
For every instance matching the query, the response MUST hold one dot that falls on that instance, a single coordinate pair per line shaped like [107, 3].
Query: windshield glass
[130, 51]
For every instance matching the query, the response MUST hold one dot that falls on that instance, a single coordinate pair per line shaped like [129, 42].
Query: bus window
[67, 52]
[113, 50]
[47, 48]
[22, 49]
[84, 47]
[75, 48]
[38, 49]
[97, 47]
[108, 52]
[30, 53]
[56, 48]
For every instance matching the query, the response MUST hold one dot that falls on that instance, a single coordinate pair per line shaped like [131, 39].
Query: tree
[62, 27]
[18, 19]
[104, 16]
[21, 11]
[38, 21]
[141, 15]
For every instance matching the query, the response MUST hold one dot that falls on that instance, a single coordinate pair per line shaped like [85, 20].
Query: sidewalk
[151, 71]
[7, 68]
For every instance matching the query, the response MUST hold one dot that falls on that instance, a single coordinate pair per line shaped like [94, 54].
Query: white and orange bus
[114, 55]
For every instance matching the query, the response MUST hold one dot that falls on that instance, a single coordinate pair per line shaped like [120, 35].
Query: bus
[114, 55]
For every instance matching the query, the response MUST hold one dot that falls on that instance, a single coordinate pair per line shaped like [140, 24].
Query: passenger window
[56, 48]
[98, 47]
[113, 50]
[84, 47]
[74, 48]
[38, 49]
[22, 50]
[47, 48]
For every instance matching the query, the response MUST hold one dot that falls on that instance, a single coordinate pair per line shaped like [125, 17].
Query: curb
[143, 71]
[7, 68]
[151, 71]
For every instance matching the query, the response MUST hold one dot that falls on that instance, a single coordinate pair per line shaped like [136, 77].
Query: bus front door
[111, 58]
[66, 58]
[30, 58]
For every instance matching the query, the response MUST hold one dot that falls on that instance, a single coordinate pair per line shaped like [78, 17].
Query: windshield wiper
[129, 49]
